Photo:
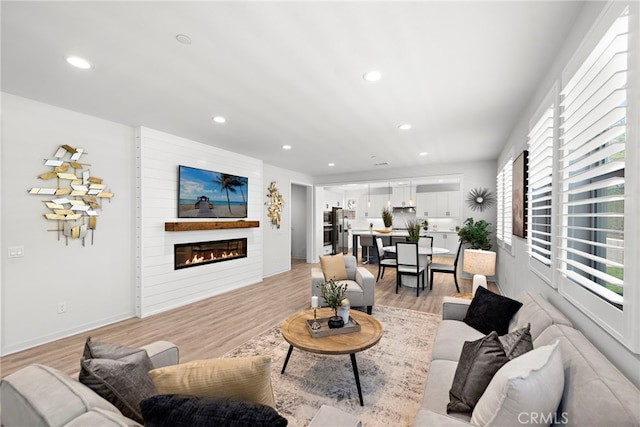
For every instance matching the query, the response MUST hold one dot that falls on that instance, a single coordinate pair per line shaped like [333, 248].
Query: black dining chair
[383, 260]
[446, 268]
[408, 264]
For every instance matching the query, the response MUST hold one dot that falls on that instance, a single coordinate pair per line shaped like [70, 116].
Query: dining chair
[408, 264]
[446, 269]
[396, 239]
[383, 260]
[427, 241]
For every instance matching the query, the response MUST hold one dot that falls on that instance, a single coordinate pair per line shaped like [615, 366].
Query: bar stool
[366, 242]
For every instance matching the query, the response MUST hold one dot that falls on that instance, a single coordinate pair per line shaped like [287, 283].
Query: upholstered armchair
[360, 282]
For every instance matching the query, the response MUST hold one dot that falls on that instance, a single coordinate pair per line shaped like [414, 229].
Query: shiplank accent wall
[158, 286]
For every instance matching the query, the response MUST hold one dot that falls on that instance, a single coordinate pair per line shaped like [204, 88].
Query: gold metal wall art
[274, 205]
[76, 195]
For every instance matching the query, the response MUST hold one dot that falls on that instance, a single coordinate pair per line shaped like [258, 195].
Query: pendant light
[369, 200]
[389, 195]
[410, 198]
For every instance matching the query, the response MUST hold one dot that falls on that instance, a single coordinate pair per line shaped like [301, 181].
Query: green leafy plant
[333, 293]
[387, 217]
[475, 233]
[413, 227]
[425, 225]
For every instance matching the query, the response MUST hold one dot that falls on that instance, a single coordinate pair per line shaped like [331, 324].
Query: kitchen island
[447, 239]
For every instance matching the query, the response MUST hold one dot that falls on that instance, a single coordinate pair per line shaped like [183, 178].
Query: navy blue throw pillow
[172, 410]
[491, 312]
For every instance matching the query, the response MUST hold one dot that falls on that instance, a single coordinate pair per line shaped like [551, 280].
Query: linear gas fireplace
[201, 253]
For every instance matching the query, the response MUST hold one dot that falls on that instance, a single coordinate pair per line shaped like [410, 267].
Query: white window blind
[508, 202]
[540, 167]
[500, 205]
[592, 157]
[504, 206]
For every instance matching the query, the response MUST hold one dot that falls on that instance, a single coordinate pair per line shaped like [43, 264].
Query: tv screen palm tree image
[210, 194]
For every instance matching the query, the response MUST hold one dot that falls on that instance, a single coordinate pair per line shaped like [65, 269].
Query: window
[592, 169]
[504, 206]
[540, 169]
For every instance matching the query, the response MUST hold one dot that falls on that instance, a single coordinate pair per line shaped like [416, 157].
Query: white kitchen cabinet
[378, 202]
[400, 197]
[440, 204]
[451, 242]
[447, 240]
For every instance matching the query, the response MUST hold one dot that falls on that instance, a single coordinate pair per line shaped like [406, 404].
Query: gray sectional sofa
[595, 393]
[39, 395]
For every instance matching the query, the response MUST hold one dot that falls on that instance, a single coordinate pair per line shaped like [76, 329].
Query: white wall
[161, 287]
[277, 241]
[96, 281]
[514, 275]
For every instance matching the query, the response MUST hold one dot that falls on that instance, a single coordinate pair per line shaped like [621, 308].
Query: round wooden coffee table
[296, 333]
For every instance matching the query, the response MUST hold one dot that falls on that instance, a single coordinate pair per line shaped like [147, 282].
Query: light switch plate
[16, 251]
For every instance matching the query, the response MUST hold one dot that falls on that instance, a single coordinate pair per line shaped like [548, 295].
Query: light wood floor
[214, 326]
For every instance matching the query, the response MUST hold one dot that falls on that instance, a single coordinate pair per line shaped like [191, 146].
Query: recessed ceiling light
[424, 153]
[331, 165]
[286, 147]
[78, 62]
[372, 76]
[219, 119]
[183, 38]
[405, 126]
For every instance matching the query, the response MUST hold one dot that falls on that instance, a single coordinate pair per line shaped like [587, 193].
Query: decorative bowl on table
[383, 231]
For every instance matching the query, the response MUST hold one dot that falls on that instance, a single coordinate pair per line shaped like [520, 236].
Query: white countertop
[397, 232]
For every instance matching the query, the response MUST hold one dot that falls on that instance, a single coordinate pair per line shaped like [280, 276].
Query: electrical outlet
[16, 251]
[62, 307]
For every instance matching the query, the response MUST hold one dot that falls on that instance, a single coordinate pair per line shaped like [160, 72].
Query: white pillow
[526, 390]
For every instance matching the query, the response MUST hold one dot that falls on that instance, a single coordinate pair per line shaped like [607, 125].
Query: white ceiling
[291, 73]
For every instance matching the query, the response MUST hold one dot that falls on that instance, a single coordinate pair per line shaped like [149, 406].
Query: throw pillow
[245, 378]
[491, 312]
[170, 410]
[531, 384]
[517, 342]
[333, 267]
[479, 361]
[123, 381]
[106, 350]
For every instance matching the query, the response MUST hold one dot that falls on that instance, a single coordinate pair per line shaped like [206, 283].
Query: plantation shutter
[592, 157]
[508, 202]
[504, 204]
[540, 167]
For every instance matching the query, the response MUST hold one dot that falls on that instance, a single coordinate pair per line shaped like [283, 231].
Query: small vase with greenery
[333, 293]
[475, 233]
[387, 217]
[425, 225]
[413, 227]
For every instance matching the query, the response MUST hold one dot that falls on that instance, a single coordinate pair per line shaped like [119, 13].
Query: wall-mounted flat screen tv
[209, 194]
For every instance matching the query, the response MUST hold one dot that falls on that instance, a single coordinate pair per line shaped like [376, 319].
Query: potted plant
[413, 227]
[425, 225]
[387, 217]
[333, 293]
[475, 233]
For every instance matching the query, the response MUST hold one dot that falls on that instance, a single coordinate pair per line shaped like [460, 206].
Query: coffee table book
[325, 331]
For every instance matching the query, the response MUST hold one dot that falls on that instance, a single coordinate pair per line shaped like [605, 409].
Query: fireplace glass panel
[201, 253]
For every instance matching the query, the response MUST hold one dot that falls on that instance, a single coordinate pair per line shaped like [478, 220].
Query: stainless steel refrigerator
[340, 241]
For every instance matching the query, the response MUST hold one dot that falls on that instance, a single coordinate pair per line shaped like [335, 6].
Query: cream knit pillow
[245, 378]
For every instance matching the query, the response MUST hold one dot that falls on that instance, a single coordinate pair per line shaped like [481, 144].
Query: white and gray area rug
[393, 373]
